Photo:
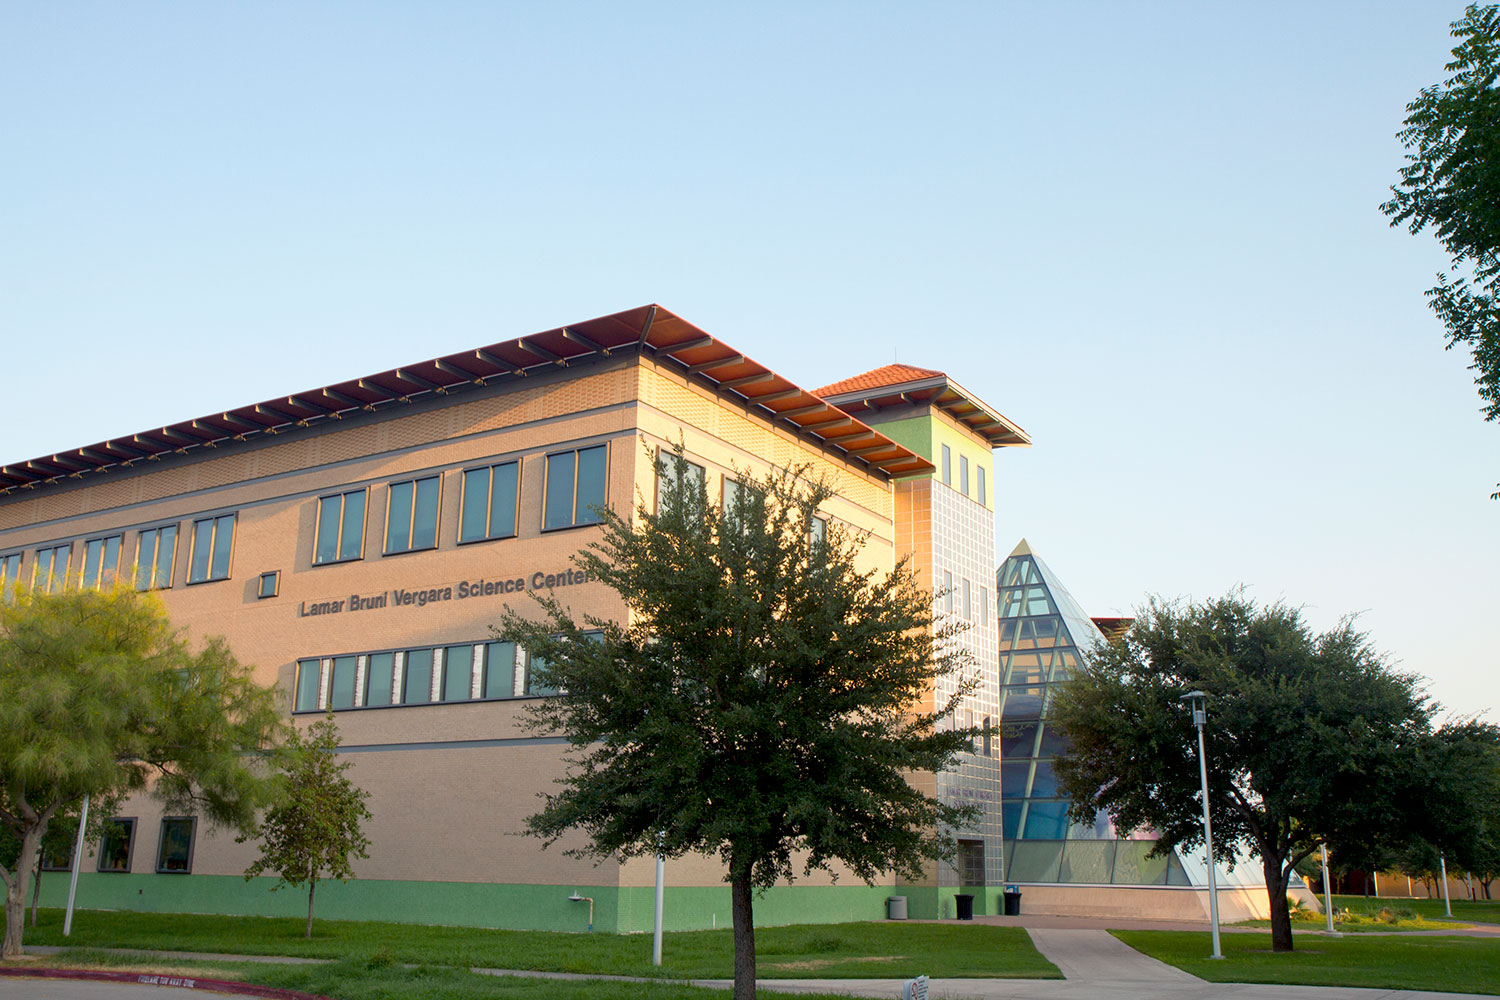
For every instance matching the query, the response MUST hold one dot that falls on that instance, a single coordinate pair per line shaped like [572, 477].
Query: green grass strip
[806, 951]
[1442, 964]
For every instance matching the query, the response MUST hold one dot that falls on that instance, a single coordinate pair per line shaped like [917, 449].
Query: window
[174, 853]
[947, 465]
[817, 534]
[10, 572]
[411, 516]
[50, 570]
[380, 677]
[667, 472]
[416, 681]
[154, 552]
[212, 544]
[499, 670]
[979, 472]
[489, 502]
[309, 681]
[963, 474]
[270, 584]
[101, 558]
[458, 673]
[341, 682]
[968, 608]
[947, 592]
[536, 668]
[989, 737]
[575, 483]
[115, 844]
[341, 528]
[984, 607]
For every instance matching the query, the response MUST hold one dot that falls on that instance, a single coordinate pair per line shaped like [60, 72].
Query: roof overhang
[943, 393]
[651, 331]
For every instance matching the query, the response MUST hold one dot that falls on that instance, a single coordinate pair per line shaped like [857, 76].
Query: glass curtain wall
[1042, 634]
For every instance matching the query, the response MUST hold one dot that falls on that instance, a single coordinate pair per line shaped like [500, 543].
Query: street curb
[156, 979]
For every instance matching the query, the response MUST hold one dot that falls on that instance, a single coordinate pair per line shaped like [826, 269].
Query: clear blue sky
[1149, 233]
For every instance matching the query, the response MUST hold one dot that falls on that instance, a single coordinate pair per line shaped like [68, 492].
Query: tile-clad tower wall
[963, 545]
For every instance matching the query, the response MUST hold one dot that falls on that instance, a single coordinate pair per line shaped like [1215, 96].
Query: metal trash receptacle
[895, 908]
[965, 906]
[1012, 904]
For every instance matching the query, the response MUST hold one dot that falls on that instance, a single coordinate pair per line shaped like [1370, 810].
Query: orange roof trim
[879, 378]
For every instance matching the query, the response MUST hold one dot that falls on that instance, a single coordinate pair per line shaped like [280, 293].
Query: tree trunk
[15, 894]
[312, 887]
[741, 891]
[36, 887]
[1281, 918]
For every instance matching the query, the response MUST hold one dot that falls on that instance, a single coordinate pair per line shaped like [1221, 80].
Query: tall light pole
[661, 879]
[1327, 894]
[1198, 701]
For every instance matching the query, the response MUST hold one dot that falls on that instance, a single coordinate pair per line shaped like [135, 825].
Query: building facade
[356, 541]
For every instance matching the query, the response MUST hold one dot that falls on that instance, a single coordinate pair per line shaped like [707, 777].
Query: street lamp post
[1198, 701]
[1327, 894]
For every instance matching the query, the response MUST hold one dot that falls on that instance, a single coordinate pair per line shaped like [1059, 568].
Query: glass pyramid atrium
[1042, 633]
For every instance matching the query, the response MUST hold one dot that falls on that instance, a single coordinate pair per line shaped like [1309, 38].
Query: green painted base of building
[514, 906]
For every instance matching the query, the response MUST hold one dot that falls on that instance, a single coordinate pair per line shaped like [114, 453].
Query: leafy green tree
[1451, 181]
[1310, 738]
[313, 830]
[1463, 805]
[100, 696]
[761, 703]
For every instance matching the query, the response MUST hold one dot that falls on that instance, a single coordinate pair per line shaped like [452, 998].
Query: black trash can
[1012, 901]
[965, 906]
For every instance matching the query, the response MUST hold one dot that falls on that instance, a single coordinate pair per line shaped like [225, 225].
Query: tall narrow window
[575, 485]
[416, 684]
[49, 572]
[979, 471]
[817, 533]
[174, 853]
[667, 472]
[537, 682]
[341, 527]
[963, 474]
[458, 673]
[947, 465]
[411, 517]
[341, 684]
[499, 670]
[10, 572]
[154, 552]
[989, 735]
[115, 844]
[101, 558]
[984, 607]
[968, 608]
[947, 592]
[380, 675]
[213, 543]
[489, 503]
[309, 680]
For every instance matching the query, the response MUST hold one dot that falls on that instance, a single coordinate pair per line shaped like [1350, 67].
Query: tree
[1463, 803]
[760, 703]
[100, 696]
[313, 830]
[1310, 738]
[1451, 181]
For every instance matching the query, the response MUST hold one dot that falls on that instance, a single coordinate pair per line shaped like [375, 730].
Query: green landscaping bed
[1444, 964]
[1485, 911]
[808, 951]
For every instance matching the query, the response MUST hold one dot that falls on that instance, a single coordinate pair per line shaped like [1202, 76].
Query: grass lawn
[808, 951]
[350, 980]
[1445, 964]
[1485, 911]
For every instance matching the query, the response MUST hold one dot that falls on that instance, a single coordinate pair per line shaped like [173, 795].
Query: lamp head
[575, 898]
[1198, 702]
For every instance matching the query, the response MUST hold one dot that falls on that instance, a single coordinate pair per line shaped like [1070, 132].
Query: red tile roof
[878, 378]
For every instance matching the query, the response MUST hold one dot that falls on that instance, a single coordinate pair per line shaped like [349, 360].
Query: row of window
[473, 671]
[693, 474]
[963, 474]
[174, 849]
[574, 486]
[962, 600]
